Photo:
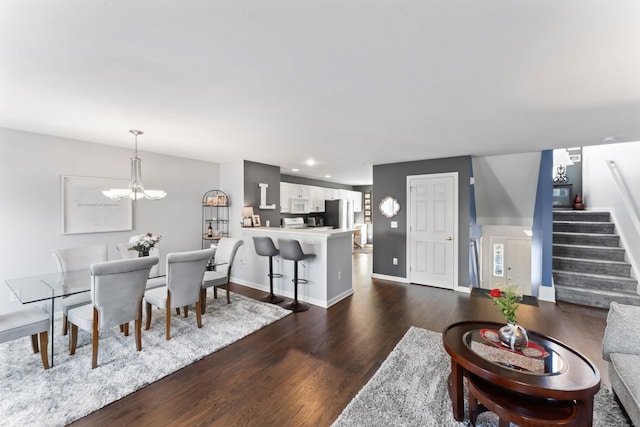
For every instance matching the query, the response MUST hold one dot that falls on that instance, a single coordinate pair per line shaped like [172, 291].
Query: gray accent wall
[254, 174]
[391, 180]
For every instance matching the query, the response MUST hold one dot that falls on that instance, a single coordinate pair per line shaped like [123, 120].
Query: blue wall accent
[542, 229]
[475, 232]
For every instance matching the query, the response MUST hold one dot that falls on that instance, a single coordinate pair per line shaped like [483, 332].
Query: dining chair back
[77, 258]
[185, 271]
[223, 260]
[117, 288]
[125, 251]
[80, 257]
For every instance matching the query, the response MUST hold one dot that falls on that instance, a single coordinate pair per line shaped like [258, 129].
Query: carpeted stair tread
[594, 281]
[589, 251]
[585, 222]
[593, 239]
[595, 297]
[613, 268]
[583, 276]
[584, 227]
[597, 261]
[581, 215]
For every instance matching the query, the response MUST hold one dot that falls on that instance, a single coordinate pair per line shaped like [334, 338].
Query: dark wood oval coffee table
[562, 373]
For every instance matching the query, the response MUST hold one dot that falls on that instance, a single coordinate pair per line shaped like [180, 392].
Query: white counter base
[329, 273]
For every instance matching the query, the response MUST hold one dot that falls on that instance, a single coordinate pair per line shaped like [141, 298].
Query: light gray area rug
[410, 389]
[31, 396]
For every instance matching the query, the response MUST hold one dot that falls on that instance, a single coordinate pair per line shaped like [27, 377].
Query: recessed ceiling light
[311, 162]
[610, 139]
[327, 176]
[295, 170]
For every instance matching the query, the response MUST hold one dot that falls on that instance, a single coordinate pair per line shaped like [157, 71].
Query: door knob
[449, 238]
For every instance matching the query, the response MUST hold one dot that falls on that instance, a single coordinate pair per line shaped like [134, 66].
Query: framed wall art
[562, 195]
[86, 210]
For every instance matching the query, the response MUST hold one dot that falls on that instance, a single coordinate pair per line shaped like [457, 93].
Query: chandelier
[136, 190]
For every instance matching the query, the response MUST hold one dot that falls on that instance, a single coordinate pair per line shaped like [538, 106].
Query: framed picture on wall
[86, 210]
[562, 195]
[221, 200]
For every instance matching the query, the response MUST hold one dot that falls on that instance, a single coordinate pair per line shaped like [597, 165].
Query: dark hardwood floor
[304, 369]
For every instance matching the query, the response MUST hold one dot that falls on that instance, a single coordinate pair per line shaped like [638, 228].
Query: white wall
[505, 188]
[30, 169]
[600, 191]
[232, 182]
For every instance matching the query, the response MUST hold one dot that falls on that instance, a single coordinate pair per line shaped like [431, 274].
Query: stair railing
[624, 193]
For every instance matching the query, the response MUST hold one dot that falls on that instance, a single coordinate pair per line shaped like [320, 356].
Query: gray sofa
[621, 347]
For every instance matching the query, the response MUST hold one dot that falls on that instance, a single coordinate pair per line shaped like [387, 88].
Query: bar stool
[265, 247]
[290, 249]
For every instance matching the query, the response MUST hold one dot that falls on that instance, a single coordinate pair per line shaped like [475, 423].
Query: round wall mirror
[389, 207]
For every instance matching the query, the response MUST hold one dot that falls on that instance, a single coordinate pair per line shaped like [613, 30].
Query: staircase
[589, 266]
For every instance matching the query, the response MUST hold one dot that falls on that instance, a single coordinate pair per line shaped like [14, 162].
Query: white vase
[513, 336]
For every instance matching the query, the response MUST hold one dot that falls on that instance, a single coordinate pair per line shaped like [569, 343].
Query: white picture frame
[86, 210]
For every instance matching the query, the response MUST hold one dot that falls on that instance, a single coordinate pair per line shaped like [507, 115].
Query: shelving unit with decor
[215, 217]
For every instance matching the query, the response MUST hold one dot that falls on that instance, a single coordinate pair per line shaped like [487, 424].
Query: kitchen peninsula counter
[329, 272]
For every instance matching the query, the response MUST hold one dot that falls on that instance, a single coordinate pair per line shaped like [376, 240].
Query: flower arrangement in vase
[507, 300]
[143, 243]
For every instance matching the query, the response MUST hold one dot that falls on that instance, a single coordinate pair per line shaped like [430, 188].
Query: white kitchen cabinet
[299, 191]
[285, 197]
[331, 193]
[357, 201]
[316, 199]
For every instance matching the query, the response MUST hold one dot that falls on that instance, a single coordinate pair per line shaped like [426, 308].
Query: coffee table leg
[456, 391]
[585, 412]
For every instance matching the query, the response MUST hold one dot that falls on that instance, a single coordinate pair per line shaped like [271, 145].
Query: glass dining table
[47, 287]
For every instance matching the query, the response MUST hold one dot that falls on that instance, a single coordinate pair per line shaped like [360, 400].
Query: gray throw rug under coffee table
[410, 389]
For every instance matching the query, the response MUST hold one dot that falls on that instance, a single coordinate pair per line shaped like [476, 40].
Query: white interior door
[433, 230]
[510, 263]
[518, 262]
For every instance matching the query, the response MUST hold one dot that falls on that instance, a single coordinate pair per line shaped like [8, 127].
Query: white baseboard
[392, 278]
[290, 294]
[547, 293]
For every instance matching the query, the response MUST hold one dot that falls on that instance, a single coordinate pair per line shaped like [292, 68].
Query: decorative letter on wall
[263, 197]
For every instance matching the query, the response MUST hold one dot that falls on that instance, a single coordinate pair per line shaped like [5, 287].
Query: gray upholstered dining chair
[184, 279]
[77, 258]
[117, 288]
[125, 251]
[24, 322]
[223, 261]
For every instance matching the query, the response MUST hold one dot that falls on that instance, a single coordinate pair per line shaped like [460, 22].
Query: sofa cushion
[624, 374]
[623, 330]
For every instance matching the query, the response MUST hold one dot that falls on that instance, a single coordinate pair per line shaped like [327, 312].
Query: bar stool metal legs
[265, 247]
[272, 298]
[295, 305]
[290, 249]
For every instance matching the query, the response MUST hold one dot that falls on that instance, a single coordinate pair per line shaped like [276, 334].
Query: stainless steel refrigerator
[338, 213]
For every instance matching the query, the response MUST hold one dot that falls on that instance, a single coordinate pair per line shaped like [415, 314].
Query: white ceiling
[349, 83]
